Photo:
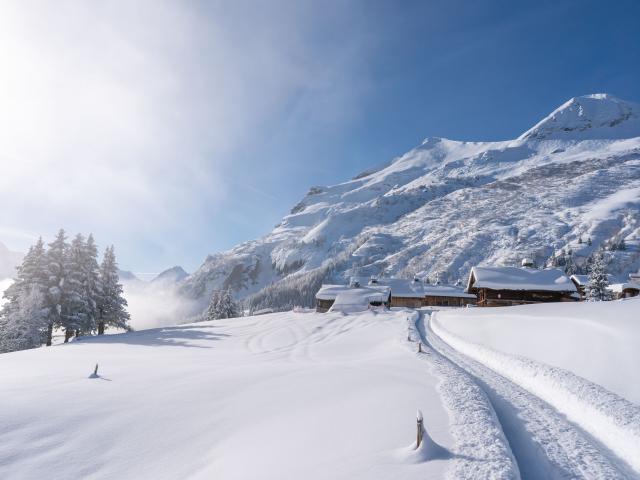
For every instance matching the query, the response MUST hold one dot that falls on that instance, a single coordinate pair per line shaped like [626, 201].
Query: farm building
[351, 298]
[416, 294]
[625, 290]
[502, 286]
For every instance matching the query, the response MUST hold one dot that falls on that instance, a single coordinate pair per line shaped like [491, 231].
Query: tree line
[62, 286]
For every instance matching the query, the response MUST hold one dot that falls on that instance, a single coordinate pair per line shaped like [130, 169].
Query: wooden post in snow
[420, 426]
[419, 347]
[95, 371]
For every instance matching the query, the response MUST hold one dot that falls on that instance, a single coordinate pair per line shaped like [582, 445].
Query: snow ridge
[482, 450]
[609, 418]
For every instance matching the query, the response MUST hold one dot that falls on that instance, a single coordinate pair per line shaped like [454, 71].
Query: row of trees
[222, 305]
[62, 286]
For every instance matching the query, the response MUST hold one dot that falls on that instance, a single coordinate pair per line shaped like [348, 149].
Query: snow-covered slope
[448, 205]
[281, 396]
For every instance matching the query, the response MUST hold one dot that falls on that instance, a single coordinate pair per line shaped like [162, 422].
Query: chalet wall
[501, 298]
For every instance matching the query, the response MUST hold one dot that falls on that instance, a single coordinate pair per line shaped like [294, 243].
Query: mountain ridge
[447, 205]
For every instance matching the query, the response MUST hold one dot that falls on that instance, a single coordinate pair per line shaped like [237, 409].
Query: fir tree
[111, 304]
[598, 282]
[25, 325]
[91, 286]
[221, 306]
[22, 317]
[56, 268]
[76, 308]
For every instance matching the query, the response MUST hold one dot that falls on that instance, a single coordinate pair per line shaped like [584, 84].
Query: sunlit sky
[178, 129]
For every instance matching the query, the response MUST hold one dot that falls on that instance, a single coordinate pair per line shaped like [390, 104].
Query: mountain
[128, 276]
[448, 205]
[171, 275]
[8, 262]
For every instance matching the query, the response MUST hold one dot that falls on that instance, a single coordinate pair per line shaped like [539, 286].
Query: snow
[358, 299]
[446, 206]
[620, 287]
[287, 395]
[404, 288]
[586, 338]
[606, 416]
[514, 278]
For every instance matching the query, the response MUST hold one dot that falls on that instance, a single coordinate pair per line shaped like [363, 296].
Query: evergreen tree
[91, 286]
[56, 296]
[589, 241]
[25, 325]
[75, 309]
[111, 304]
[21, 318]
[221, 306]
[598, 282]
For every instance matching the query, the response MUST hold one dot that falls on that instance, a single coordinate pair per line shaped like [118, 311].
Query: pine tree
[91, 290]
[25, 325]
[56, 268]
[221, 306]
[76, 307]
[22, 316]
[598, 282]
[111, 304]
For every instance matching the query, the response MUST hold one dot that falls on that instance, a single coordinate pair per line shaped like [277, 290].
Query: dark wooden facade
[323, 305]
[502, 298]
[440, 301]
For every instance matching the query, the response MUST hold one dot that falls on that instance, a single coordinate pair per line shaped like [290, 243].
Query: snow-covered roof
[514, 278]
[403, 288]
[582, 280]
[620, 287]
[357, 299]
[331, 292]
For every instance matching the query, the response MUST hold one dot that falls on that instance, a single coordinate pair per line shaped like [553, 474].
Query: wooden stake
[95, 372]
[420, 426]
[419, 347]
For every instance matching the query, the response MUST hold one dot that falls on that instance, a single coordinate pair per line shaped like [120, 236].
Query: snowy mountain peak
[171, 275]
[590, 117]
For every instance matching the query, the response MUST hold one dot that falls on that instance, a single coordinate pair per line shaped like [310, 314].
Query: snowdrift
[582, 329]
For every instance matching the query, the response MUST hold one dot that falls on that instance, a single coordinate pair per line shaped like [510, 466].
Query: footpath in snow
[280, 396]
[604, 430]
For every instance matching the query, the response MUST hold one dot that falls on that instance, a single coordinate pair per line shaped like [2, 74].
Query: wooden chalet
[416, 294]
[504, 286]
[351, 297]
[581, 282]
[625, 290]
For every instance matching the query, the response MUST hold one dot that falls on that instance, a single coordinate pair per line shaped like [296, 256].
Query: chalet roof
[331, 292]
[620, 287]
[357, 299]
[403, 288]
[514, 278]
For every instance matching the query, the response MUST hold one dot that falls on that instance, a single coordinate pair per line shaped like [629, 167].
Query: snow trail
[545, 443]
[481, 450]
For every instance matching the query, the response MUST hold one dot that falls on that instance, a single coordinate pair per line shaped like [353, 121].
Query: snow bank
[481, 450]
[611, 419]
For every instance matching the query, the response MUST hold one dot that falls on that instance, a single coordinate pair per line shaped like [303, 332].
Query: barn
[503, 286]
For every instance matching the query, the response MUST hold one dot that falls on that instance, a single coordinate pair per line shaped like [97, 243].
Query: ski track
[545, 443]
[481, 450]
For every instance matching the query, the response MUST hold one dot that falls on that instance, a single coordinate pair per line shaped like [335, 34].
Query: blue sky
[178, 129]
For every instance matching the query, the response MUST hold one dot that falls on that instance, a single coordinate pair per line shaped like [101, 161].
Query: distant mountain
[171, 275]
[127, 276]
[9, 260]
[448, 205]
